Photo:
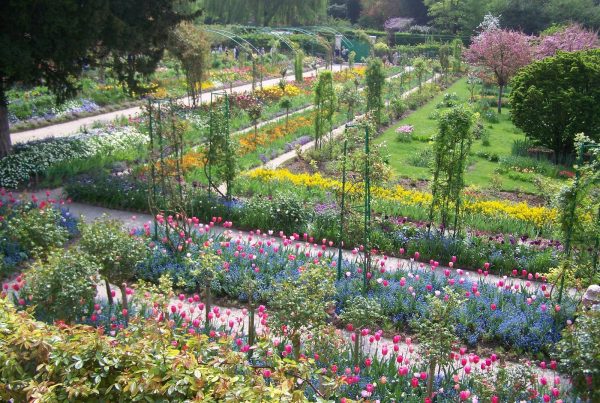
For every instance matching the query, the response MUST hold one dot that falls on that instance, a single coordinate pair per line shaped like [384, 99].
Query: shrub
[114, 250]
[579, 354]
[38, 230]
[150, 362]
[568, 82]
[398, 106]
[62, 287]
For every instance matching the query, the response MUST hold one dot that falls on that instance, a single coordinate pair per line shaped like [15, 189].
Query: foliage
[266, 12]
[501, 53]
[324, 106]
[188, 43]
[61, 287]
[451, 148]
[567, 82]
[375, 80]
[38, 230]
[151, 361]
[579, 355]
[116, 252]
[311, 290]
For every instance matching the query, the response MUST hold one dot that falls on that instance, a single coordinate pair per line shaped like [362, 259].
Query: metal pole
[228, 147]
[367, 213]
[571, 220]
[152, 167]
[342, 206]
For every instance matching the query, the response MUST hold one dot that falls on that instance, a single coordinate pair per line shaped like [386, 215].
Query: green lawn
[480, 171]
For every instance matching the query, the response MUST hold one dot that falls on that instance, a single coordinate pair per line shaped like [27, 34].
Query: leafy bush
[579, 354]
[63, 287]
[150, 361]
[38, 230]
[398, 106]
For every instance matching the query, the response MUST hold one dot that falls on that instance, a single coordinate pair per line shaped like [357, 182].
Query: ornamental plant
[311, 289]
[62, 287]
[501, 53]
[571, 38]
[451, 149]
[436, 334]
[569, 82]
[37, 230]
[579, 355]
[116, 252]
[361, 314]
[324, 106]
[375, 80]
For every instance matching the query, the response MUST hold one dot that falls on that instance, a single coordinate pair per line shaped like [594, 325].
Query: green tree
[586, 12]
[299, 67]
[444, 59]
[421, 68]
[555, 98]
[116, 252]
[312, 290]
[266, 12]
[61, 287]
[51, 41]
[324, 105]
[375, 79]
[188, 44]
[455, 16]
[451, 149]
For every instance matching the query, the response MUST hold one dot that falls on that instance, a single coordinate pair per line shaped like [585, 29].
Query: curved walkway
[64, 129]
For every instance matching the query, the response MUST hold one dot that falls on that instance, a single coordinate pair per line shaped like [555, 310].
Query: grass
[482, 172]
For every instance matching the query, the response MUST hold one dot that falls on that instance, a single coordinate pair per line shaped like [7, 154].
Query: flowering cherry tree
[502, 52]
[570, 39]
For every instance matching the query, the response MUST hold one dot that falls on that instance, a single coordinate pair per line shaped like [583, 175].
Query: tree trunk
[108, 293]
[124, 302]
[5, 143]
[296, 346]
[500, 88]
[207, 306]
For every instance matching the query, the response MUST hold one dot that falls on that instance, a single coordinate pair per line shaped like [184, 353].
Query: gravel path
[89, 213]
[74, 126]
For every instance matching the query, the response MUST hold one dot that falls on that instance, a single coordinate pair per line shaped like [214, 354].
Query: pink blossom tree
[570, 39]
[502, 53]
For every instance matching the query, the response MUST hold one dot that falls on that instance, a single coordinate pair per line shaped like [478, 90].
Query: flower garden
[364, 221]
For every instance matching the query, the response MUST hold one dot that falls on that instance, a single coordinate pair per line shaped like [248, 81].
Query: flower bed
[35, 158]
[538, 216]
[360, 364]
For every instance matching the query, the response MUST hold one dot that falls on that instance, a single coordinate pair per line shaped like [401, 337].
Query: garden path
[130, 220]
[64, 129]
[283, 158]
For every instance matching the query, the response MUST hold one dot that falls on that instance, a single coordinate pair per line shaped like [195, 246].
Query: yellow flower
[539, 216]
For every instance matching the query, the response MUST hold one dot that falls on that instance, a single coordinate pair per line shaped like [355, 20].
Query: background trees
[555, 98]
[266, 12]
[52, 41]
